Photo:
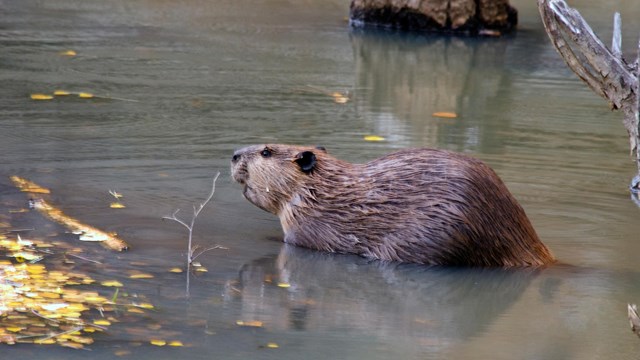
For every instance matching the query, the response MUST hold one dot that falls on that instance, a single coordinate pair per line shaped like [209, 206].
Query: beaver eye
[265, 153]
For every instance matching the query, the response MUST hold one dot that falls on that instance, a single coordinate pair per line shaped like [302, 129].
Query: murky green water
[210, 76]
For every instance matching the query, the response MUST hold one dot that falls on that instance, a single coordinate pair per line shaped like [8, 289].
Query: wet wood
[634, 319]
[86, 232]
[484, 17]
[604, 70]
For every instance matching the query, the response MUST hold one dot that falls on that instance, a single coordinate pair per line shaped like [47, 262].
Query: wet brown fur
[424, 206]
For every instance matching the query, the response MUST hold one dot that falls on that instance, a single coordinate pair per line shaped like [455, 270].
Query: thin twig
[196, 212]
[616, 43]
[77, 328]
[83, 258]
[205, 250]
[44, 317]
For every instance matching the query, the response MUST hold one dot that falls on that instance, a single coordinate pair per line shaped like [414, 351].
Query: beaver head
[416, 205]
[271, 174]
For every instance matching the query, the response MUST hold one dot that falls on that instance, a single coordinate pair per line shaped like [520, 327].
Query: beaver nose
[236, 157]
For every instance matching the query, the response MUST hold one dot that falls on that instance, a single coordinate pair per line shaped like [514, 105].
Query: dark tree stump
[484, 17]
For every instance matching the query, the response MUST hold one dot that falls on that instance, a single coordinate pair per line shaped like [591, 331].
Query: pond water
[183, 84]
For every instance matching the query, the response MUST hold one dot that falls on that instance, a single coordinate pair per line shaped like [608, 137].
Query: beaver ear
[306, 160]
[322, 148]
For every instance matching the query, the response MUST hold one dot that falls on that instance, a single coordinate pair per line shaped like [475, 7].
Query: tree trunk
[604, 70]
[484, 17]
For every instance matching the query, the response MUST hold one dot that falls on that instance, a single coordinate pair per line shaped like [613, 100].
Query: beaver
[425, 206]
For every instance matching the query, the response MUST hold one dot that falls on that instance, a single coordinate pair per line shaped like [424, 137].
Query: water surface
[186, 83]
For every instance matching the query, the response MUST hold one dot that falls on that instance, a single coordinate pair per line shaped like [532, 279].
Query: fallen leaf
[284, 285]
[175, 270]
[158, 342]
[68, 53]
[445, 114]
[85, 95]
[54, 307]
[61, 93]
[114, 283]
[254, 323]
[146, 306]
[117, 205]
[141, 276]
[175, 343]
[373, 138]
[41, 97]
[272, 345]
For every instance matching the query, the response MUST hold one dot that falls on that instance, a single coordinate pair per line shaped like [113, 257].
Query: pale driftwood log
[604, 70]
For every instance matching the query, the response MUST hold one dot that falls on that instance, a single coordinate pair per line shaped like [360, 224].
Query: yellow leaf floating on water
[272, 345]
[41, 97]
[175, 270]
[44, 341]
[85, 95]
[68, 53]
[117, 205]
[61, 93]
[114, 283]
[54, 307]
[340, 98]
[445, 114]
[158, 342]
[284, 285]
[373, 138]
[141, 276]
[146, 306]
[254, 323]
[102, 322]
[175, 343]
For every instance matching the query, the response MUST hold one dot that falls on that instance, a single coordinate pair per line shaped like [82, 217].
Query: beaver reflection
[321, 291]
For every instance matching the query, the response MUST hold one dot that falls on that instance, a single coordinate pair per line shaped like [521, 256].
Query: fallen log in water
[86, 232]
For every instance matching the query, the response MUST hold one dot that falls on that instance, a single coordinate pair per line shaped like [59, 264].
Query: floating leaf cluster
[43, 306]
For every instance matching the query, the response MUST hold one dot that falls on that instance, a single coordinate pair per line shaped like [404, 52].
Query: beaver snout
[238, 171]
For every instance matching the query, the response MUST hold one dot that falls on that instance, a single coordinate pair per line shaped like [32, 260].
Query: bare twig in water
[82, 258]
[189, 226]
